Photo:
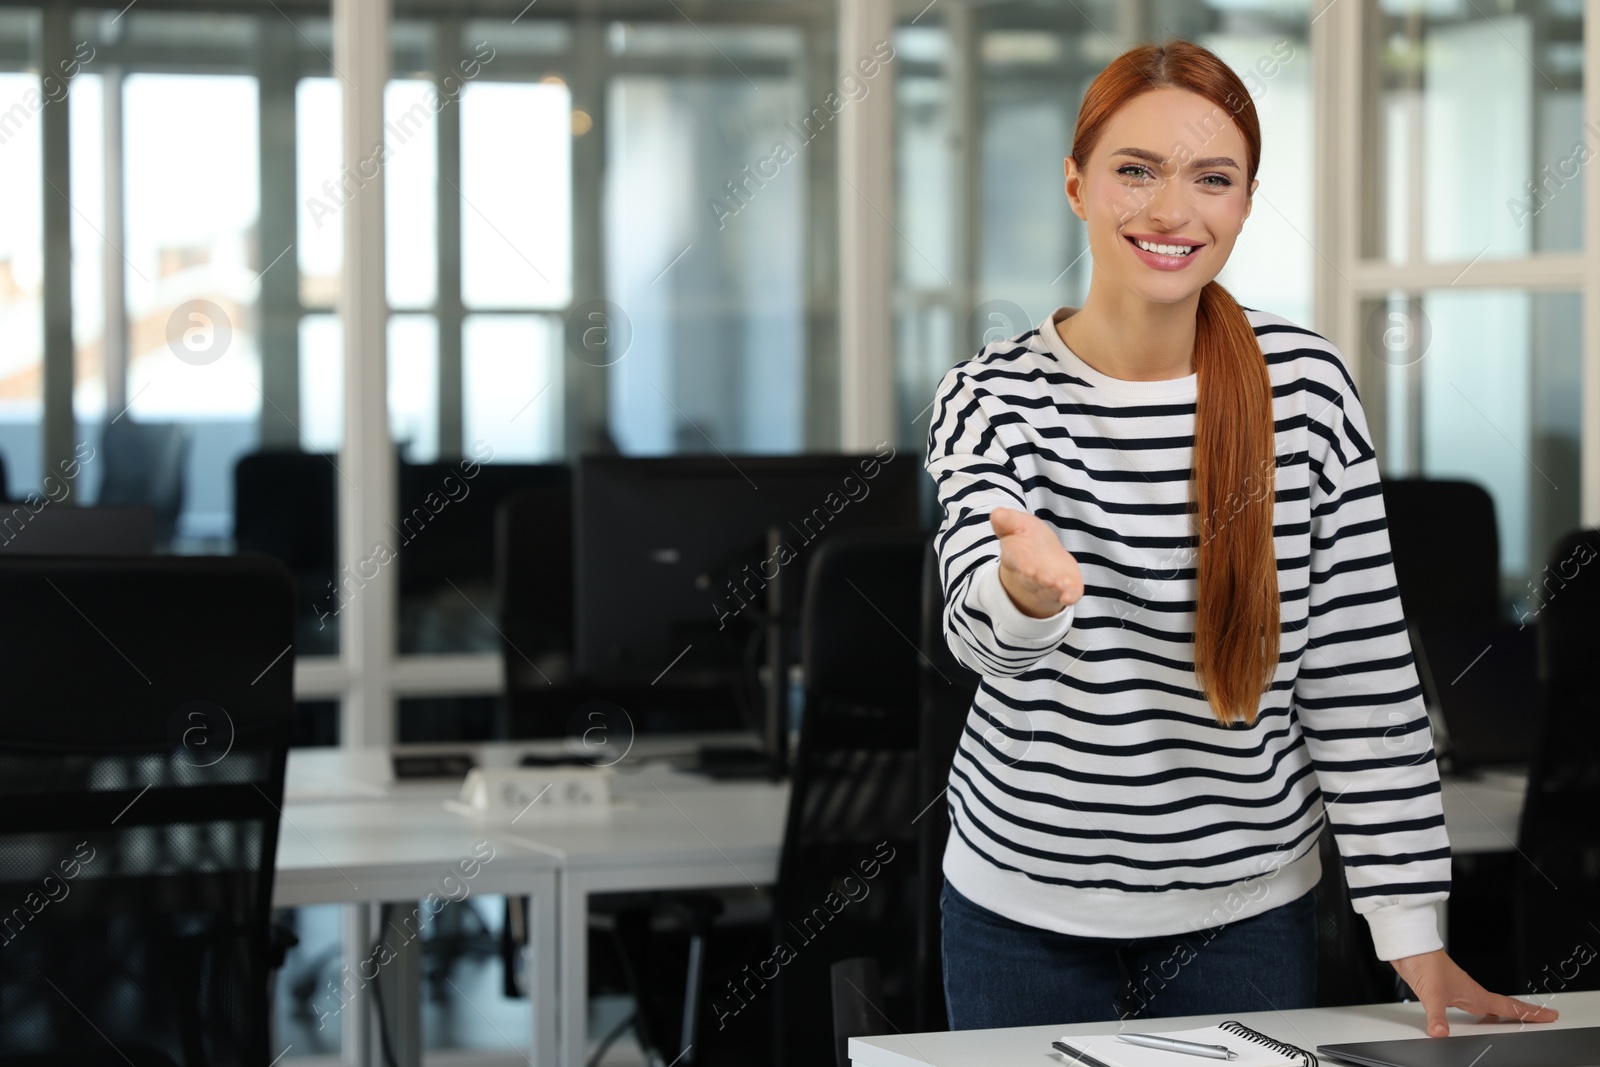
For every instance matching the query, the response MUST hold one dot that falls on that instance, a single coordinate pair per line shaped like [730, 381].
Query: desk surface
[399, 849]
[352, 834]
[1030, 1045]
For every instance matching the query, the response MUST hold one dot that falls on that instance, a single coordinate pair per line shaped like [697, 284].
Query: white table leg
[573, 902]
[544, 946]
[355, 1003]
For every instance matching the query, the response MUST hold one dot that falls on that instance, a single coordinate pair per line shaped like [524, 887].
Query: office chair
[142, 755]
[41, 528]
[1446, 550]
[1556, 885]
[446, 540]
[144, 464]
[946, 692]
[533, 556]
[848, 871]
[285, 506]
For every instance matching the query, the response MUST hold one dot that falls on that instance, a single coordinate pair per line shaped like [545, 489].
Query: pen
[1172, 1044]
[1074, 1056]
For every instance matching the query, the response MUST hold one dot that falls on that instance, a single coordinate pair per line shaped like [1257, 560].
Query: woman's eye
[1216, 181]
[1138, 171]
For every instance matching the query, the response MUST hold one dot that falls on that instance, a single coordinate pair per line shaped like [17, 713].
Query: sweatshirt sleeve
[1359, 702]
[973, 474]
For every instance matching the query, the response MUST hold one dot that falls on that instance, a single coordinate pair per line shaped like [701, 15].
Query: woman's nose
[1167, 205]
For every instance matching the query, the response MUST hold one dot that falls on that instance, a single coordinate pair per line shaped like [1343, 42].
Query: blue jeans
[1003, 973]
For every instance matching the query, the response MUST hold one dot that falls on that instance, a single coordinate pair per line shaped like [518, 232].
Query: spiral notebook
[1255, 1049]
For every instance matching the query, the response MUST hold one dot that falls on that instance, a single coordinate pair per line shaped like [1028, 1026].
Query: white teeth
[1165, 250]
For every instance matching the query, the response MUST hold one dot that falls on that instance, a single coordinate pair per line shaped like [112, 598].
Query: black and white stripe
[1093, 791]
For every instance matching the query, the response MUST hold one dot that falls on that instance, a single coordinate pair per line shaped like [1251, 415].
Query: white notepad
[1254, 1048]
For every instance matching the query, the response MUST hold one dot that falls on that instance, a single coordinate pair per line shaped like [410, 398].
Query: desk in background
[384, 849]
[353, 835]
[1029, 1046]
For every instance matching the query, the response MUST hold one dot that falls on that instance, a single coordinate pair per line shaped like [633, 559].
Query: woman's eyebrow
[1153, 157]
[1140, 153]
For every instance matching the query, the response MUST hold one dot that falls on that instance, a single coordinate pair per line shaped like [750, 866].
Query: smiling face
[1164, 193]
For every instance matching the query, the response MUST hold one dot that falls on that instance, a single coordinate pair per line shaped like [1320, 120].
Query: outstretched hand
[1440, 983]
[1037, 572]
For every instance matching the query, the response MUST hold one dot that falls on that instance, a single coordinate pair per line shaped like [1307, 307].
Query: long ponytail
[1234, 474]
[1236, 604]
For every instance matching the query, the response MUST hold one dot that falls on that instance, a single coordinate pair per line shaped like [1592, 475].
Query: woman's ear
[1074, 187]
[1250, 197]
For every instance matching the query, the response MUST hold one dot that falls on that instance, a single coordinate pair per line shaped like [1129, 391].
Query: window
[1466, 293]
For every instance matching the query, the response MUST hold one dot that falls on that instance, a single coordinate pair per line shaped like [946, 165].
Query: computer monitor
[681, 560]
[44, 528]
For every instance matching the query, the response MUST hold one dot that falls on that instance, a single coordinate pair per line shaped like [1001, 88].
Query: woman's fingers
[1512, 1010]
[1006, 521]
[1434, 1007]
[1031, 552]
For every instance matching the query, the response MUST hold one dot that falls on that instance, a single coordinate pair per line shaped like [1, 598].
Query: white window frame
[1345, 277]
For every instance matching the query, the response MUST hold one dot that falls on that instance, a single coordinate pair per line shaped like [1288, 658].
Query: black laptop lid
[1534, 1047]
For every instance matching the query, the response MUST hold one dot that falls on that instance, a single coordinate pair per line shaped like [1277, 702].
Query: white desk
[400, 849]
[670, 831]
[353, 835]
[1029, 1046]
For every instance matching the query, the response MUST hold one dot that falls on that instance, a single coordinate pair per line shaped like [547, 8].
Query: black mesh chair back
[848, 871]
[144, 464]
[946, 691]
[285, 506]
[141, 775]
[1446, 550]
[446, 540]
[40, 528]
[447, 517]
[533, 573]
[1556, 881]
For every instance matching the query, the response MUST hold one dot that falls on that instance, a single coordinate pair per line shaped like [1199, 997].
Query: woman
[1179, 685]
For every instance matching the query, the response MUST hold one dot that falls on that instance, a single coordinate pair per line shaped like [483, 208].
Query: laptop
[1483, 679]
[1534, 1047]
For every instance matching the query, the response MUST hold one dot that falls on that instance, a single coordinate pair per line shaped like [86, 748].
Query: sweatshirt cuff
[1009, 621]
[1404, 930]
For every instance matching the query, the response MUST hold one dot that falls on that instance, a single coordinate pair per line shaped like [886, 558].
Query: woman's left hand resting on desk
[1439, 983]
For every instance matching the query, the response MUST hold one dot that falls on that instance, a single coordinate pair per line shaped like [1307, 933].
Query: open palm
[1036, 570]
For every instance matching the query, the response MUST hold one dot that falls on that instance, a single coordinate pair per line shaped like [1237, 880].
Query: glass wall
[705, 195]
[1479, 115]
[22, 97]
[563, 274]
[1475, 166]
[183, 302]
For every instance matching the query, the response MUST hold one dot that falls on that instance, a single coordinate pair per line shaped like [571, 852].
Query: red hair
[1236, 607]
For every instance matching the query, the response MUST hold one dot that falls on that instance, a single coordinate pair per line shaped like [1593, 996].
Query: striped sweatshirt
[1093, 791]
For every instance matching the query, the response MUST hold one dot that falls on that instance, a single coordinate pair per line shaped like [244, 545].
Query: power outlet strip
[531, 793]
